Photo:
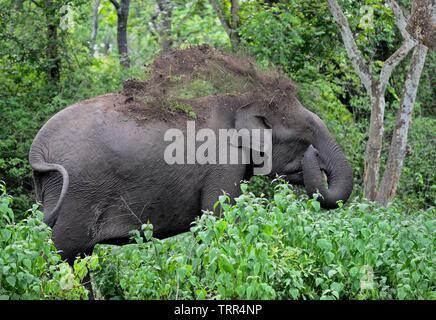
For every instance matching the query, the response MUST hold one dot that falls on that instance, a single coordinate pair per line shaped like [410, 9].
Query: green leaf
[249, 291]
[200, 294]
[294, 293]
[94, 262]
[181, 272]
[224, 264]
[335, 286]
[327, 297]
[27, 263]
[324, 244]
[253, 229]
[148, 231]
[318, 281]
[11, 280]
[331, 273]
[316, 205]
[268, 229]
[5, 234]
[244, 187]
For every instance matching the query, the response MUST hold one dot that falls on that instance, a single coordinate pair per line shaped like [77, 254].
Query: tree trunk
[398, 146]
[376, 90]
[230, 25]
[94, 26]
[18, 5]
[107, 42]
[235, 23]
[52, 51]
[122, 17]
[374, 143]
[165, 9]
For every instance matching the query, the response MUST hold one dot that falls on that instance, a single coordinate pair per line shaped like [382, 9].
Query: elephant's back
[93, 128]
[81, 116]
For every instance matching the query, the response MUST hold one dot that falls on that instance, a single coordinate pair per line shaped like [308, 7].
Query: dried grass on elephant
[181, 76]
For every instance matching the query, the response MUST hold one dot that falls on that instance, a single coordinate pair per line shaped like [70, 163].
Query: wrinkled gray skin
[100, 174]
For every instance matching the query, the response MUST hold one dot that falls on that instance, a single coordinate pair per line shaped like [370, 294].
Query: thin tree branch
[408, 44]
[166, 10]
[235, 14]
[230, 24]
[353, 51]
[391, 63]
[116, 4]
[36, 3]
[94, 25]
[221, 16]
[400, 19]
[152, 23]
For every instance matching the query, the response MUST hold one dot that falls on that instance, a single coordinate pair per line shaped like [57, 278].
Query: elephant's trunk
[326, 154]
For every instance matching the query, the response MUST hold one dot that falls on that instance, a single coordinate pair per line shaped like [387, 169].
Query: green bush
[417, 187]
[30, 267]
[283, 248]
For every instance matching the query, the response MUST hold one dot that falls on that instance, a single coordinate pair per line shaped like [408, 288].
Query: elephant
[99, 169]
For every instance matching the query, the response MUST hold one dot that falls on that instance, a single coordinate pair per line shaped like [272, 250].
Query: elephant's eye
[264, 121]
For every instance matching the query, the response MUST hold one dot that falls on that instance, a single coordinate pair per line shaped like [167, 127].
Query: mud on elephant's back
[178, 78]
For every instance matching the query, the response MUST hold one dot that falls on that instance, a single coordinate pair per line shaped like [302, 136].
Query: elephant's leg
[71, 232]
[222, 180]
[48, 190]
[86, 282]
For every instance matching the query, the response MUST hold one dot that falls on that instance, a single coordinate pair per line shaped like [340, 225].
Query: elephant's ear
[253, 126]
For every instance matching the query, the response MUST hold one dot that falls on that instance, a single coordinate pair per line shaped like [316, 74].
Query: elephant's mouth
[297, 177]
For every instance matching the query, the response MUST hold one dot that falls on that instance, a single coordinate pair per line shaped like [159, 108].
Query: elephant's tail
[40, 166]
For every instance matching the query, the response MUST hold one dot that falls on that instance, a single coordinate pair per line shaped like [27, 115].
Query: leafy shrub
[30, 267]
[283, 248]
[417, 187]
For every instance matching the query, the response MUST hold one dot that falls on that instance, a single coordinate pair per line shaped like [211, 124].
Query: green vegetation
[30, 266]
[182, 107]
[204, 85]
[280, 248]
[274, 242]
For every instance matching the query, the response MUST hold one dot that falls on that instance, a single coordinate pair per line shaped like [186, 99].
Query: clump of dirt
[180, 76]
[422, 23]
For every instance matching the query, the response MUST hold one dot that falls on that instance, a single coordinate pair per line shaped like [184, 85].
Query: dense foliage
[280, 248]
[283, 248]
[30, 267]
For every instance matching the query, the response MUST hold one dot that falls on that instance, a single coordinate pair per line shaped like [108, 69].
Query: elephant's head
[302, 148]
